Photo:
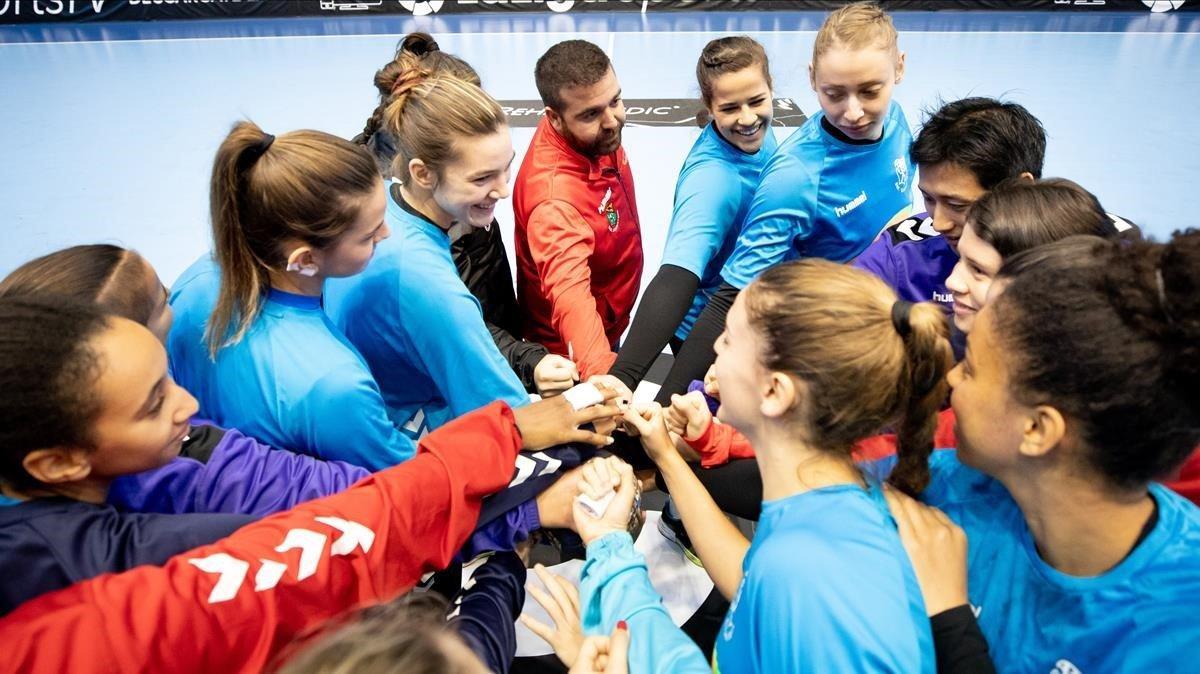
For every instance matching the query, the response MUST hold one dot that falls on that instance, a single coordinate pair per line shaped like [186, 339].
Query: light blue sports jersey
[1141, 616]
[827, 587]
[293, 381]
[822, 197]
[712, 197]
[420, 329]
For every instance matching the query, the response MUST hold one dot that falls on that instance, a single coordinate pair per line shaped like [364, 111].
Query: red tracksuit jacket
[579, 249]
[234, 605]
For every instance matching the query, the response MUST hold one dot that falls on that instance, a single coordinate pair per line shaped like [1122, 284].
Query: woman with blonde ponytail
[814, 358]
[251, 339]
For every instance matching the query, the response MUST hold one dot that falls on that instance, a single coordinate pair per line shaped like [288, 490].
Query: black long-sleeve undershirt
[663, 306]
[959, 644]
[697, 353]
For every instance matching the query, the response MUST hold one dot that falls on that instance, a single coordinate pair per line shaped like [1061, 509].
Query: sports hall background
[109, 121]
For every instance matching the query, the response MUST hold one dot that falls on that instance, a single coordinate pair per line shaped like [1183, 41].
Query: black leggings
[736, 487]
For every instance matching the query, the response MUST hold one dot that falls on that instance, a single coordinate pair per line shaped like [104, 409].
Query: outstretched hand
[561, 602]
[554, 421]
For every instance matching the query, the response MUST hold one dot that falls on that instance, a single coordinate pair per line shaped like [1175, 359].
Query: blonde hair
[307, 185]
[856, 26]
[832, 327]
[429, 112]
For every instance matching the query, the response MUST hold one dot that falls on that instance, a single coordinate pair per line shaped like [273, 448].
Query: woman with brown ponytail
[251, 339]
[815, 357]
[478, 252]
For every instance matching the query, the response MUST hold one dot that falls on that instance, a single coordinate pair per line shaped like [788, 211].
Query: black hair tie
[258, 149]
[900, 311]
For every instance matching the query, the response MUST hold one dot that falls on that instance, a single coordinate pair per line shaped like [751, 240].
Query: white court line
[577, 33]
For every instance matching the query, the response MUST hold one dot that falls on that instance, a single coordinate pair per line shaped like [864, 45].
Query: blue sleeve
[706, 205]
[241, 476]
[615, 585]
[780, 214]
[344, 418]
[455, 347]
[485, 612]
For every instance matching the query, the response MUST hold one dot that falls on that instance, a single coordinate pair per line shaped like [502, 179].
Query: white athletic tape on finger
[596, 507]
[583, 395]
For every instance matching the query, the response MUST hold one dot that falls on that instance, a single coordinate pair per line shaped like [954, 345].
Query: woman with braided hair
[414, 50]
[478, 252]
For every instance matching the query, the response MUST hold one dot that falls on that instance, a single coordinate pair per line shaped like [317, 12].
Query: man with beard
[579, 243]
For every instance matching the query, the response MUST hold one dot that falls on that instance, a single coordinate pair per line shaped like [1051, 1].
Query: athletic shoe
[672, 529]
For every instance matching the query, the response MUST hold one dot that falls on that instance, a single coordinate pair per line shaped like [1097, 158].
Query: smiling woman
[409, 314]
[832, 186]
[712, 196]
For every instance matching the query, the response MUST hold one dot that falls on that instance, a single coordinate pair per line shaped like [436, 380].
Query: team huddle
[968, 434]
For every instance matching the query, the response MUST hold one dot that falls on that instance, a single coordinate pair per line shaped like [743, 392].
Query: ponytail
[866, 359]
[243, 273]
[922, 388]
[305, 185]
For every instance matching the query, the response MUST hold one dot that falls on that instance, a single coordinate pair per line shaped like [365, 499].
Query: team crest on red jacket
[609, 211]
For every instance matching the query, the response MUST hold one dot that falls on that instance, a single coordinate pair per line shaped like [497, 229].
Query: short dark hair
[1108, 332]
[1021, 214]
[573, 63]
[991, 139]
[48, 373]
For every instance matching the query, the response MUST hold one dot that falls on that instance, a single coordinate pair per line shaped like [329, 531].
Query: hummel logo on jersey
[917, 230]
[851, 205]
[945, 298]
[1065, 667]
[231, 572]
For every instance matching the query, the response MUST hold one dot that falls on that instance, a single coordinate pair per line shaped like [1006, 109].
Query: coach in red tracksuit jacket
[579, 242]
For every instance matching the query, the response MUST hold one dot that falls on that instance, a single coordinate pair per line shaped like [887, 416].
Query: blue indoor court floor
[108, 130]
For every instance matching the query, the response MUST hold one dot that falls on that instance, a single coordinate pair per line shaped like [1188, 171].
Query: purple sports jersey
[913, 259]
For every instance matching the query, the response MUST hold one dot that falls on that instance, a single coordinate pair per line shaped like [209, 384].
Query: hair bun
[418, 44]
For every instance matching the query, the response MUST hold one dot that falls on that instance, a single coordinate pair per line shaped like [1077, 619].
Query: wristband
[596, 507]
[583, 395]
